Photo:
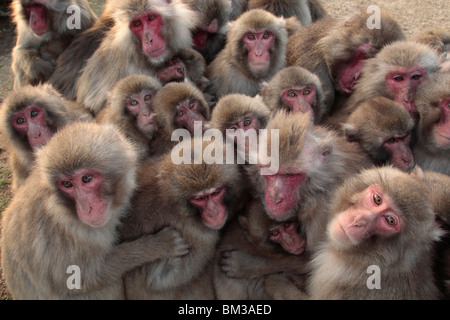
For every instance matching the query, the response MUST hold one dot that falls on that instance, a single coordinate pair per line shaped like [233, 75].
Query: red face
[37, 18]
[352, 72]
[174, 70]
[212, 208]
[287, 235]
[148, 28]
[85, 187]
[374, 214]
[140, 106]
[202, 34]
[441, 131]
[259, 45]
[403, 84]
[187, 112]
[30, 122]
[281, 194]
[300, 99]
[400, 151]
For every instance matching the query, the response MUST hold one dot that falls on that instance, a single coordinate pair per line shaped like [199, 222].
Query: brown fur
[162, 200]
[42, 235]
[229, 72]
[34, 57]
[59, 113]
[285, 8]
[436, 38]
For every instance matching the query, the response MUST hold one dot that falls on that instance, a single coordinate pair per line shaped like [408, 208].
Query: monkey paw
[173, 244]
[233, 264]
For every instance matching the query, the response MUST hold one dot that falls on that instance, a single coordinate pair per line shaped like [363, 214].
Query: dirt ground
[412, 15]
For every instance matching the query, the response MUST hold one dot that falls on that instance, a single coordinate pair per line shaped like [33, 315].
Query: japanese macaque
[384, 130]
[179, 106]
[253, 246]
[335, 49]
[72, 60]
[380, 239]
[438, 39]
[432, 150]
[44, 29]
[312, 162]
[395, 73]
[29, 117]
[255, 51]
[209, 37]
[297, 90]
[130, 108]
[59, 238]
[195, 199]
[236, 114]
[146, 35]
[285, 8]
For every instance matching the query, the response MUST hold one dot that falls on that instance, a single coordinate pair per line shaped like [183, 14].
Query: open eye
[377, 199]
[199, 199]
[251, 37]
[147, 97]
[86, 179]
[151, 18]
[180, 113]
[216, 192]
[398, 78]
[448, 105]
[287, 224]
[233, 129]
[416, 77]
[391, 141]
[247, 122]
[390, 221]
[306, 92]
[266, 36]
[67, 184]
[20, 121]
[292, 94]
[34, 113]
[137, 23]
[274, 233]
[134, 103]
[191, 104]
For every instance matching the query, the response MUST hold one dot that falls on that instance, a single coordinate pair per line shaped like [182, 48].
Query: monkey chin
[338, 237]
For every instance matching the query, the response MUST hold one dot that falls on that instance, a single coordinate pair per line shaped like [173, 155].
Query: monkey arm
[279, 287]
[30, 67]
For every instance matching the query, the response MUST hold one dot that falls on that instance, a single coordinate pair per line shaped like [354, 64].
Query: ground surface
[412, 15]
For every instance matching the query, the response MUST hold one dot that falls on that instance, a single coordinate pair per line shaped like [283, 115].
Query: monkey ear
[417, 172]
[350, 132]
[264, 87]
[243, 221]
[203, 83]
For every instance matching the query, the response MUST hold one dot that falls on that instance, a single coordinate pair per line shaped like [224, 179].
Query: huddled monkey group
[362, 115]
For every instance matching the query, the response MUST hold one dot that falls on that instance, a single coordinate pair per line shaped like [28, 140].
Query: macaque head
[147, 27]
[258, 41]
[91, 167]
[441, 131]
[140, 106]
[37, 15]
[381, 209]
[180, 105]
[174, 70]
[287, 235]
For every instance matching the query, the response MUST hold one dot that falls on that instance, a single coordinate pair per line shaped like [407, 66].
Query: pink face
[30, 122]
[236, 131]
[300, 99]
[187, 112]
[400, 151]
[85, 187]
[212, 207]
[37, 15]
[403, 84]
[374, 214]
[281, 194]
[140, 106]
[441, 130]
[172, 71]
[203, 32]
[259, 45]
[148, 28]
[352, 72]
[288, 236]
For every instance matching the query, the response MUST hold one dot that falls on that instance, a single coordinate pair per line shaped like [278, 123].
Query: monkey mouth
[200, 39]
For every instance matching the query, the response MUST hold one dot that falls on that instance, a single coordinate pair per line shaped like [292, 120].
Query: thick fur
[285, 8]
[59, 113]
[405, 260]
[436, 38]
[230, 71]
[163, 199]
[120, 53]
[292, 77]
[429, 154]
[34, 57]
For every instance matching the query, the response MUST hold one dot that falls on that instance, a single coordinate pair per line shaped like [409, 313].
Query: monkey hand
[280, 287]
[237, 264]
[171, 243]
[40, 69]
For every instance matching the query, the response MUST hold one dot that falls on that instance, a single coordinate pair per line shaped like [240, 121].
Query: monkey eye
[34, 113]
[251, 37]
[377, 199]
[287, 224]
[266, 36]
[274, 233]
[391, 141]
[448, 105]
[247, 122]
[67, 184]
[147, 97]
[233, 129]
[292, 94]
[390, 221]
[191, 104]
[86, 179]
[306, 92]
[416, 77]
[398, 78]
[20, 121]
[134, 103]
[151, 18]
[199, 199]
[137, 23]
[216, 192]
[180, 113]
[180, 70]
